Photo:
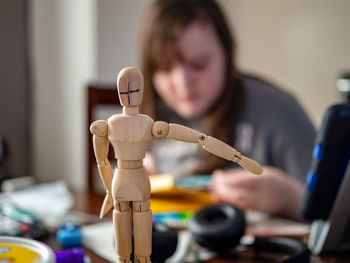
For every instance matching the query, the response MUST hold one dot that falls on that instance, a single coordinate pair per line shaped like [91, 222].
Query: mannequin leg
[142, 218]
[122, 221]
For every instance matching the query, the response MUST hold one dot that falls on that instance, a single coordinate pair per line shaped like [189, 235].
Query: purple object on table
[74, 255]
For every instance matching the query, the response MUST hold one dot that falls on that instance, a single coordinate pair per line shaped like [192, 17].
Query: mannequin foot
[123, 260]
[142, 259]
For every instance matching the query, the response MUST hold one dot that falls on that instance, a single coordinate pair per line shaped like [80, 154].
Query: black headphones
[220, 227]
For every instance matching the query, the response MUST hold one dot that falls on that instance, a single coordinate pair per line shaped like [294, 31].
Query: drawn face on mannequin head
[130, 87]
[192, 77]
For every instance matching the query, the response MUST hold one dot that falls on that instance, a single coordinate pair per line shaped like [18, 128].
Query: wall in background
[301, 45]
[63, 62]
[14, 88]
[117, 30]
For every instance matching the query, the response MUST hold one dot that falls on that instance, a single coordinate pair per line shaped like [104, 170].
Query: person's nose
[183, 79]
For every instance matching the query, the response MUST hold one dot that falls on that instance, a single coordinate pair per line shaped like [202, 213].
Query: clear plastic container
[24, 250]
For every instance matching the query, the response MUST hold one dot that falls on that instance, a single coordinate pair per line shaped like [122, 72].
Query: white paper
[99, 239]
[46, 200]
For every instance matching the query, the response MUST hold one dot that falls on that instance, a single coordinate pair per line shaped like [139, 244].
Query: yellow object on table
[166, 197]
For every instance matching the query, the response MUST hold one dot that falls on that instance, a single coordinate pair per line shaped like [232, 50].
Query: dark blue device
[330, 159]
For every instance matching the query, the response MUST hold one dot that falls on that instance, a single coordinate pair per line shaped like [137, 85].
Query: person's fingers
[236, 196]
[235, 178]
[274, 192]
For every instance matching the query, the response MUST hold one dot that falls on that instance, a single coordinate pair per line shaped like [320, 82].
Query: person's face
[192, 77]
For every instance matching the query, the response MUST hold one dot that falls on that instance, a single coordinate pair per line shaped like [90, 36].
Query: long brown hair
[163, 22]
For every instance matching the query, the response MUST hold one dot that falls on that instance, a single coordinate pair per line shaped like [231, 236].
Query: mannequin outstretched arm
[210, 144]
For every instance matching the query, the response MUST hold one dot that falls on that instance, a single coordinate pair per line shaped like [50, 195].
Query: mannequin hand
[274, 192]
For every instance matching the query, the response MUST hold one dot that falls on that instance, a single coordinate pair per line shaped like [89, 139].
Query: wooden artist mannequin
[130, 134]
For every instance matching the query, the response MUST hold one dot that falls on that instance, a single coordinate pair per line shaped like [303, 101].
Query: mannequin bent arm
[101, 146]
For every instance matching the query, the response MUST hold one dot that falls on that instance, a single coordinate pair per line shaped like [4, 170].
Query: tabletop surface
[91, 203]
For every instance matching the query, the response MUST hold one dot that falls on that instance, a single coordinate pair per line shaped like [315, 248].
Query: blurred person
[188, 60]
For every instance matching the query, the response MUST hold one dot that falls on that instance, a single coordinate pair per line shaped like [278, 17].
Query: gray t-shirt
[272, 129]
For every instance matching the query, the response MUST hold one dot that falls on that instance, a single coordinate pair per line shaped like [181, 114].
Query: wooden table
[91, 203]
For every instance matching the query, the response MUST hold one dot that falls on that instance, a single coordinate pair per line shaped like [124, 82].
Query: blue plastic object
[318, 151]
[70, 235]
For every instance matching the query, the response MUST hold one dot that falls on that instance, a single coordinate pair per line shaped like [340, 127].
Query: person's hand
[273, 192]
[149, 164]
